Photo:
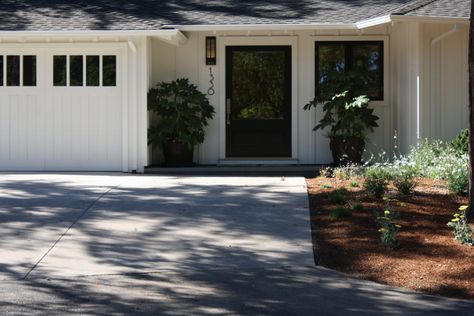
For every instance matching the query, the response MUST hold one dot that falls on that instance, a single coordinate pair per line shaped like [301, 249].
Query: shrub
[348, 171]
[357, 207]
[425, 156]
[388, 229]
[376, 180]
[326, 172]
[461, 143]
[340, 212]
[404, 178]
[438, 160]
[463, 233]
[337, 197]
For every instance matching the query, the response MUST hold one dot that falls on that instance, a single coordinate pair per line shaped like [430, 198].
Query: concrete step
[238, 170]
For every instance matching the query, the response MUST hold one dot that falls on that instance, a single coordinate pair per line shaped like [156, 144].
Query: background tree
[471, 114]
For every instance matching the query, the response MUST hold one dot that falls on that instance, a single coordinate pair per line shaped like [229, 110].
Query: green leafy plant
[404, 178]
[182, 113]
[463, 232]
[376, 180]
[340, 212]
[337, 197]
[388, 229]
[357, 207]
[354, 184]
[461, 143]
[326, 186]
[346, 115]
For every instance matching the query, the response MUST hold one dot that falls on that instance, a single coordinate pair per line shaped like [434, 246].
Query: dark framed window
[29, 71]
[76, 70]
[109, 71]
[1, 70]
[60, 71]
[358, 63]
[92, 71]
[13, 70]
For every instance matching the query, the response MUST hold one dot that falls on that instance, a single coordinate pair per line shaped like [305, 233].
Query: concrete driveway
[119, 244]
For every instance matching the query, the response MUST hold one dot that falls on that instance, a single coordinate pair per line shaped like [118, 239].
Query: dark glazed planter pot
[177, 154]
[346, 149]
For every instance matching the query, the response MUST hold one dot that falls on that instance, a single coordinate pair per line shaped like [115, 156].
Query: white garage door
[60, 109]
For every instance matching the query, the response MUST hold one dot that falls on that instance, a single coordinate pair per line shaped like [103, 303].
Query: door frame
[223, 42]
[286, 49]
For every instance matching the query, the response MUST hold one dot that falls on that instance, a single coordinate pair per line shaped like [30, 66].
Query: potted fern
[182, 113]
[349, 119]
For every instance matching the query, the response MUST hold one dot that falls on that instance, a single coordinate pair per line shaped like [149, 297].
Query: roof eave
[403, 18]
[263, 27]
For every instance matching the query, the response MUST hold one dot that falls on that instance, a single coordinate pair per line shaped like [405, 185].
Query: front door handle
[228, 103]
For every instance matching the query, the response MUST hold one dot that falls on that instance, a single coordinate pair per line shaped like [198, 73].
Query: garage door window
[89, 71]
[16, 70]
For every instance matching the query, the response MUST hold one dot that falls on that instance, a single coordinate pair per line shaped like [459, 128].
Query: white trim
[255, 41]
[156, 33]
[404, 18]
[374, 22]
[429, 19]
[237, 27]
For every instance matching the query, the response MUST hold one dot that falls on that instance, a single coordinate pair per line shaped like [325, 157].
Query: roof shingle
[67, 15]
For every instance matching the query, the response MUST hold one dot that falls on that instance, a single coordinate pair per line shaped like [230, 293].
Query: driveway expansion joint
[77, 219]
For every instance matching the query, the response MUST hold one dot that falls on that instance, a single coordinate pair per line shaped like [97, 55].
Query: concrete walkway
[121, 244]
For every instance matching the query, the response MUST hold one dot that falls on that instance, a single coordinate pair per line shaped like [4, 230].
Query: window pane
[109, 71]
[258, 85]
[60, 70]
[13, 70]
[332, 66]
[92, 74]
[367, 66]
[29, 71]
[76, 71]
[1, 70]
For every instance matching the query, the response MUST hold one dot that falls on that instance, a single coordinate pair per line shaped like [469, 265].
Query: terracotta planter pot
[346, 149]
[177, 154]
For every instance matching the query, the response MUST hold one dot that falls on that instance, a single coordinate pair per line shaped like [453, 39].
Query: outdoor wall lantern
[211, 50]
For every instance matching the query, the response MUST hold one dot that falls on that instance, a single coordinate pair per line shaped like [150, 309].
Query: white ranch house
[75, 75]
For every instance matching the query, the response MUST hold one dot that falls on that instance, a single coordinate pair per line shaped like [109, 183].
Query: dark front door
[258, 101]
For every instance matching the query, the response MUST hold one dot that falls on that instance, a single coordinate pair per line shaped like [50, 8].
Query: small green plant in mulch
[376, 180]
[326, 186]
[340, 213]
[354, 184]
[388, 229]
[357, 207]
[463, 232]
[404, 179]
[338, 196]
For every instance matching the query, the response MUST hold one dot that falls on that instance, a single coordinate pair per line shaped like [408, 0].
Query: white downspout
[445, 35]
[436, 120]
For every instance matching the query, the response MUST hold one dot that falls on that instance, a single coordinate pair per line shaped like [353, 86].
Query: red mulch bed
[428, 259]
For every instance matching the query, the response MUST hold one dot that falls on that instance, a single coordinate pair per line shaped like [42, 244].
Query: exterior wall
[445, 69]
[429, 82]
[169, 62]
[76, 128]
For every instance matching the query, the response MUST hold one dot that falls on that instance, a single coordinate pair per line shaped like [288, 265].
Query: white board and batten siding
[169, 62]
[68, 128]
